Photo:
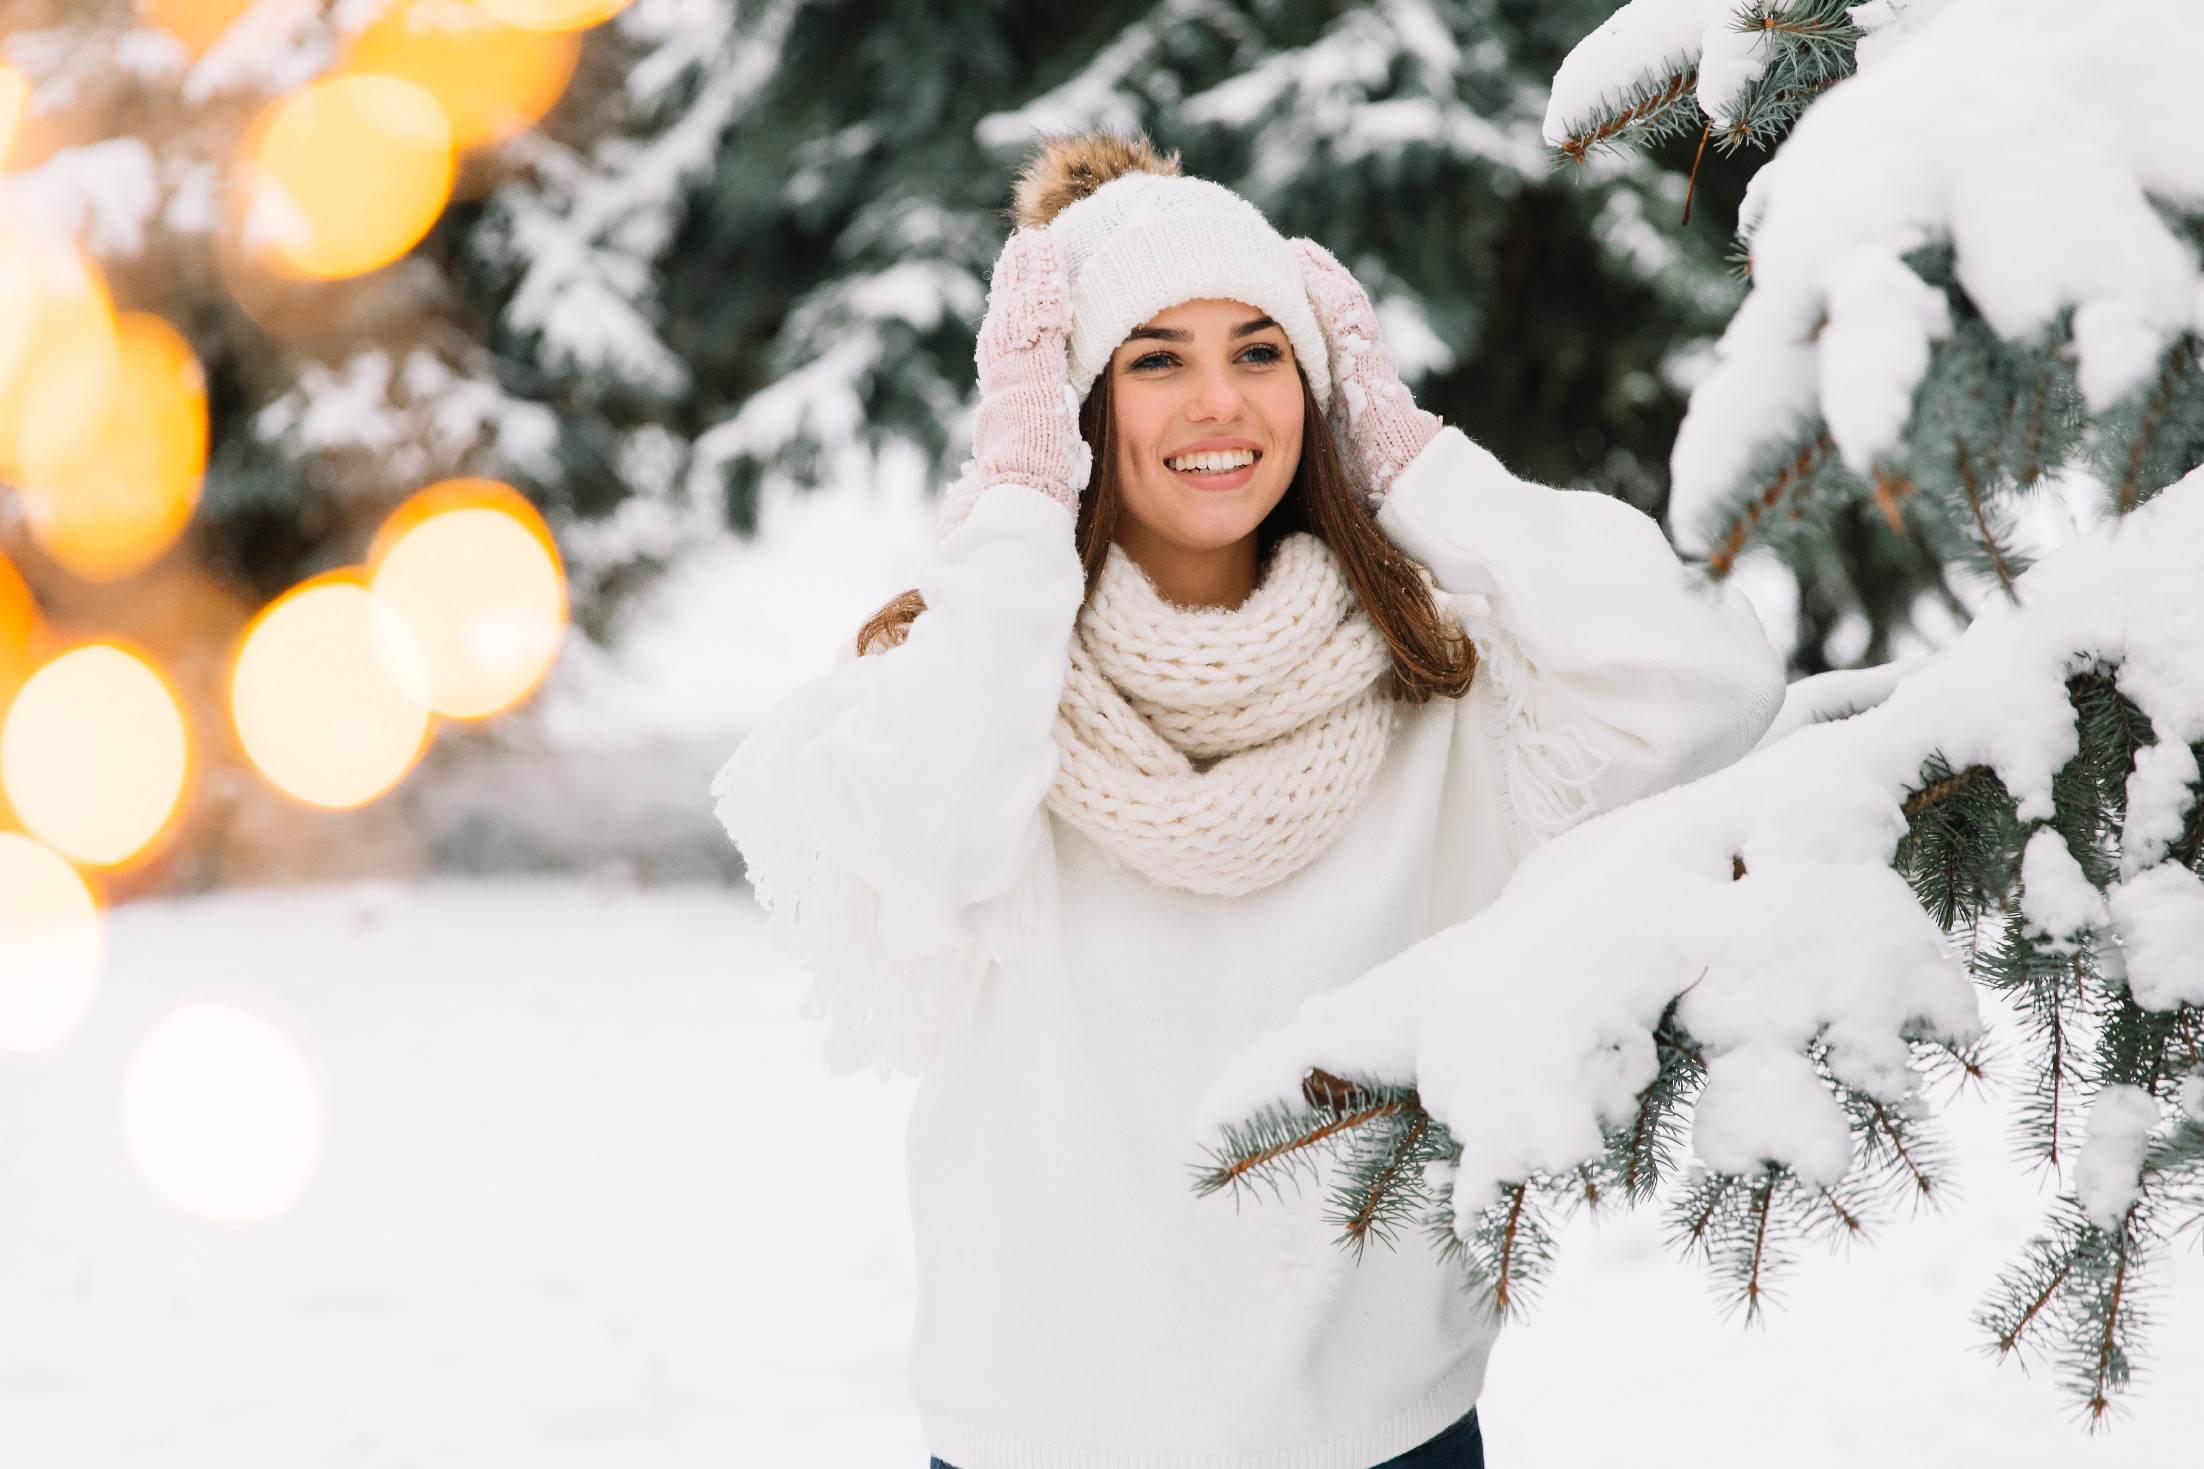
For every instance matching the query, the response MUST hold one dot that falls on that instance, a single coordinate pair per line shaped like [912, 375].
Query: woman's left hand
[1385, 428]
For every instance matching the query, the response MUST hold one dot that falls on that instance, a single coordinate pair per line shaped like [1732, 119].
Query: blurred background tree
[751, 240]
[770, 258]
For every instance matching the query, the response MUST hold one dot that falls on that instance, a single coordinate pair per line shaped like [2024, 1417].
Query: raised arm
[1610, 673]
[929, 786]
[886, 810]
[1611, 666]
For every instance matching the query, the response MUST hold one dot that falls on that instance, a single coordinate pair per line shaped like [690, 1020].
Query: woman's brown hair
[1430, 656]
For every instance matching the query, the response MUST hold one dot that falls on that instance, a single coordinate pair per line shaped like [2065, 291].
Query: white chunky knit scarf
[1222, 751]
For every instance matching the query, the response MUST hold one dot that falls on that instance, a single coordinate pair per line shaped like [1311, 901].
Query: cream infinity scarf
[1221, 751]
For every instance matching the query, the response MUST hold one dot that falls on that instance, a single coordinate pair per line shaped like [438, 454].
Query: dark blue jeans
[1460, 1447]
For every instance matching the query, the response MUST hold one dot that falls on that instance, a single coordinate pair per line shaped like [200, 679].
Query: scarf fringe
[1549, 773]
[884, 1013]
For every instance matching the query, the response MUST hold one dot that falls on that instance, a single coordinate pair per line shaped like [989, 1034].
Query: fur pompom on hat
[1137, 238]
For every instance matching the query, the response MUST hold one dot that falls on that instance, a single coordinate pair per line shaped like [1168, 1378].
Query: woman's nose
[1215, 399]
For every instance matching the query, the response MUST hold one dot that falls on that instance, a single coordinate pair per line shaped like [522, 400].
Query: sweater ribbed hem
[970, 1445]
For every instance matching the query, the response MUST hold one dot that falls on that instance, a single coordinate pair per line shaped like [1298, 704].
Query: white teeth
[1214, 461]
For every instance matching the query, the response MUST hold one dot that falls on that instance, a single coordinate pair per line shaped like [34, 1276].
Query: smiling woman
[1181, 728]
[1210, 448]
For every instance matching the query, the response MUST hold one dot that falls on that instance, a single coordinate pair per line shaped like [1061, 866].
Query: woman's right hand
[1027, 428]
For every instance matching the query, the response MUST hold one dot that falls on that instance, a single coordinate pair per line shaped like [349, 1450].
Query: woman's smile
[1214, 464]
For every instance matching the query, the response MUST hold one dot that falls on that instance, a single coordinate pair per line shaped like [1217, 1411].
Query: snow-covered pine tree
[1865, 543]
[758, 251]
[1974, 264]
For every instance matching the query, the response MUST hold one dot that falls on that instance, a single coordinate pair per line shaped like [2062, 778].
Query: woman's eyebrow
[1250, 328]
[1159, 334]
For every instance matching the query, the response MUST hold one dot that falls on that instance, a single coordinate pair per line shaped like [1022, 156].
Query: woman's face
[1207, 418]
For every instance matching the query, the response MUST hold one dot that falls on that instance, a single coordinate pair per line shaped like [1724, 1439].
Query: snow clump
[2108, 1176]
[2055, 111]
[1761, 901]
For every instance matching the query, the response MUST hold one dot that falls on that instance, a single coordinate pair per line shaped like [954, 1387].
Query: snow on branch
[1656, 68]
[1379, 80]
[1112, 92]
[412, 418]
[1981, 214]
[1781, 950]
[583, 230]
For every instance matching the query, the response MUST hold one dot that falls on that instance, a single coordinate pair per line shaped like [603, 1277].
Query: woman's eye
[1152, 360]
[1262, 354]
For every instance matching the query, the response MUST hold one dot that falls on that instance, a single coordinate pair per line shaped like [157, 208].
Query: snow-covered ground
[587, 1199]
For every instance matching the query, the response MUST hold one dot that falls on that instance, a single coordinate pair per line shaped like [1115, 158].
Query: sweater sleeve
[887, 812]
[1611, 675]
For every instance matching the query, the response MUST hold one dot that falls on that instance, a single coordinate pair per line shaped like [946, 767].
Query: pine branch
[1640, 1155]
[2082, 1283]
[1813, 42]
[1763, 1200]
[1657, 107]
[1960, 837]
[2109, 1367]
[1794, 477]
[2000, 560]
[1277, 1139]
[2131, 483]
[1384, 1187]
[1504, 1278]
[1509, 1249]
[1965, 1063]
[2033, 1292]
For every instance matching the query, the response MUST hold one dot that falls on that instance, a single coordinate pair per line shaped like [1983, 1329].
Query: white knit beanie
[1144, 240]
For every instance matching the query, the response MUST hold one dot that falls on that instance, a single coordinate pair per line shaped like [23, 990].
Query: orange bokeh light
[472, 568]
[54, 309]
[553, 15]
[492, 79]
[94, 754]
[18, 625]
[50, 946]
[106, 493]
[348, 174]
[329, 694]
[15, 95]
[197, 23]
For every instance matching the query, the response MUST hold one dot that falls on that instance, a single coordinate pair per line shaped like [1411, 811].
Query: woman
[1143, 764]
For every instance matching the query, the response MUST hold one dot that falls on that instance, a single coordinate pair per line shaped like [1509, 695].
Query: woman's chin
[1210, 520]
[1212, 531]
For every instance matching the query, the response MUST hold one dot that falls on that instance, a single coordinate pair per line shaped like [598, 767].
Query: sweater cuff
[1016, 510]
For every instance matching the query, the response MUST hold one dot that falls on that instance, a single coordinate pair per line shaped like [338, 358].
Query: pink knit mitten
[1027, 428]
[1385, 428]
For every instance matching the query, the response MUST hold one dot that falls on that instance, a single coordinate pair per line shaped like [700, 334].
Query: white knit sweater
[1079, 1307]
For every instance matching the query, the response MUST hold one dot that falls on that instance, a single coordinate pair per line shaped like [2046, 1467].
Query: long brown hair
[1430, 655]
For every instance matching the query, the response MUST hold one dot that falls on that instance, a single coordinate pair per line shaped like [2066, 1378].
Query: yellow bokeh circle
[50, 946]
[197, 23]
[107, 491]
[491, 79]
[348, 174]
[472, 569]
[55, 317]
[329, 694]
[553, 15]
[222, 1114]
[94, 754]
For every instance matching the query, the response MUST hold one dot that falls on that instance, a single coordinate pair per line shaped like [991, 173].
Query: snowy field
[587, 1199]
